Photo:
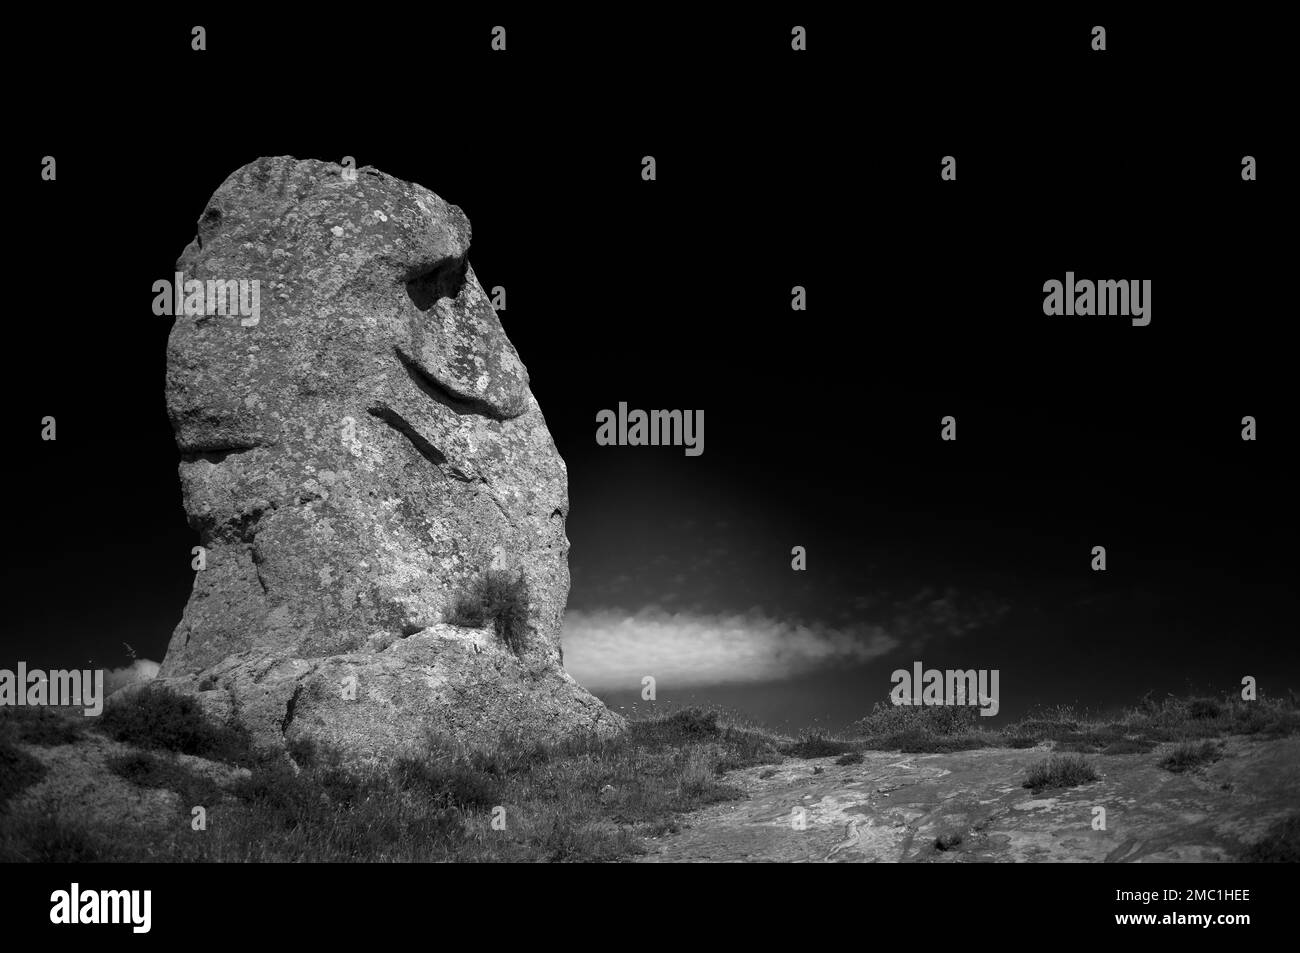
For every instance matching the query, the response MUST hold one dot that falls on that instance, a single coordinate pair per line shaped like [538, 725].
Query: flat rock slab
[893, 807]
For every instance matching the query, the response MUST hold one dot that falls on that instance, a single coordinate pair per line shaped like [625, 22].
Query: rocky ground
[896, 807]
[688, 786]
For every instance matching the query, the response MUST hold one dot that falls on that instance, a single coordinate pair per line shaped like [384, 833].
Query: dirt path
[893, 807]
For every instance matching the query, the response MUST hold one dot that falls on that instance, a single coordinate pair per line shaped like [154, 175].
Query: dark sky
[821, 428]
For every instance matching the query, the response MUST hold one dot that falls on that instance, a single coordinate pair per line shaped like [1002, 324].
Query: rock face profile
[355, 455]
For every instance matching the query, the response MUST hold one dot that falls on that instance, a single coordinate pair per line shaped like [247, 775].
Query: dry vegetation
[497, 597]
[588, 800]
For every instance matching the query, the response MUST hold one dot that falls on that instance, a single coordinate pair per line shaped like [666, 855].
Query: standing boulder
[360, 452]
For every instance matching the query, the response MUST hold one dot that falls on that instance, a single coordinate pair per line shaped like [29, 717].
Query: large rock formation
[354, 459]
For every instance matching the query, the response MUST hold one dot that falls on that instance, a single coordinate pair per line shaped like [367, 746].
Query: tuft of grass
[1060, 771]
[498, 597]
[1189, 755]
[161, 719]
[852, 757]
[1281, 845]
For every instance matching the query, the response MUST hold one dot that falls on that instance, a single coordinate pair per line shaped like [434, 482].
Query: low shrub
[1189, 755]
[148, 770]
[36, 725]
[817, 744]
[159, 718]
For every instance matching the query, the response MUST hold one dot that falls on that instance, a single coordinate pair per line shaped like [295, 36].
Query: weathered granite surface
[351, 461]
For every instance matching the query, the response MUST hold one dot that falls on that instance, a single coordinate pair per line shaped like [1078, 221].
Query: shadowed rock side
[351, 461]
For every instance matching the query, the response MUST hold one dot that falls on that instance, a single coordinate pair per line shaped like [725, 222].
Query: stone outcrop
[354, 455]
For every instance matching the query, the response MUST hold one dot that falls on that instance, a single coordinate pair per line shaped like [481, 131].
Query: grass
[946, 728]
[1200, 708]
[18, 770]
[33, 726]
[1139, 730]
[1060, 771]
[149, 770]
[1190, 719]
[1189, 755]
[1281, 845]
[924, 728]
[589, 799]
[498, 597]
[889, 719]
[46, 727]
[47, 836]
[157, 718]
[737, 742]
[817, 744]
[1129, 746]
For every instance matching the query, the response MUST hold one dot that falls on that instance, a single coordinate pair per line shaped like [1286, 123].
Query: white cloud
[610, 649]
[141, 670]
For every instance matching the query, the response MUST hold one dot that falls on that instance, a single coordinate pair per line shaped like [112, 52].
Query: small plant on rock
[498, 597]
